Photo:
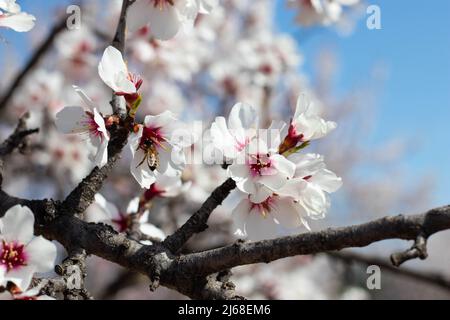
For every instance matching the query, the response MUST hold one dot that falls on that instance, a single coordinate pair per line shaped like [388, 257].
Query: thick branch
[197, 222]
[399, 227]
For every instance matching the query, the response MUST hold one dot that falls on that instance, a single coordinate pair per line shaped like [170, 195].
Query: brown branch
[119, 43]
[240, 253]
[83, 195]
[34, 60]
[197, 222]
[418, 250]
[17, 140]
[190, 274]
[73, 272]
[430, 278]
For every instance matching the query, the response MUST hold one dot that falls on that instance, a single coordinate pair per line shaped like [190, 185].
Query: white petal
[242, 116]
[152, 231]
[88, 101]
[260, 227]
[21, 277]
[240, 214]
[261, 193]
[69, 120]
[133, 206]
[41, 254]
[238, 171]
[165, 23]
[18, 225]
[138, 15]
[326, 180]
[20, 22]
[283, 165]
[114, 72]
[284, 210]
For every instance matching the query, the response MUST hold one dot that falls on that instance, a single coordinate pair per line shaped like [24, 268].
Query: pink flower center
[152, 136]
[12, 255]
[239, 145]
[263, 208]
[152, 193]
[91, 125]
[292, 139]
[260, 165]
[162, 3]
[122, 223]
[137, 81]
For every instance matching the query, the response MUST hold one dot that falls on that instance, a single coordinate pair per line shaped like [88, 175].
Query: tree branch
[119, 43]
[197, 222]
[399, 227]
[17, 140]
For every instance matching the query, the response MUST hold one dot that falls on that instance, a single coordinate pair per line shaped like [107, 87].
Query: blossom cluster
[283, 186]
[11, 16]
[22, 254]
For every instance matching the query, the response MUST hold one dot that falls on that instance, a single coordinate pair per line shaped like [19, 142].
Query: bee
[151, 154]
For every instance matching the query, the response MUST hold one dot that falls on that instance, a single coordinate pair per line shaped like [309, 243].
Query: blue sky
[413, 46]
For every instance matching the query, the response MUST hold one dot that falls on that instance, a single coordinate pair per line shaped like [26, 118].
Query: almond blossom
[267, 219]
[231, 137]
[166, 17]
[156, 149]
[106, 212]
[165, 187]
[259, 171]
[318, 182]
[325, 12]
[12, 17]
[114, 72]
[21, 253]
[305, 126]
[31, 294]
[87, 121]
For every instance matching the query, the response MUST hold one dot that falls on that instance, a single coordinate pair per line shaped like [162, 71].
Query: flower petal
[18, 225]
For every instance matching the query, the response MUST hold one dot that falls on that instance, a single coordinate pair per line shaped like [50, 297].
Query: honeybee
[151, 154]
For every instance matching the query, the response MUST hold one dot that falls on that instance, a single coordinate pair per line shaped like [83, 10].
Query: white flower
[114, 72]
[318, 181]
[325, 12]
[31, 294]
[242, 126]
[21, 253]
[12, 17]
[166, 17]
[305, 126]
[258, 171]
[88, 121]
[165, 186]
[266, 220]
[157, 147]
[106, 212]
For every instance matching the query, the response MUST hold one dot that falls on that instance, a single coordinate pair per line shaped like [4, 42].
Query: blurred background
[388, 90]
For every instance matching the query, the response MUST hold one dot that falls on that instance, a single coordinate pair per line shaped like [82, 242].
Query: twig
[431, 278]
[197, 222]
[418, 250]
[17, 140]
[119, 43]
[399, 227]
